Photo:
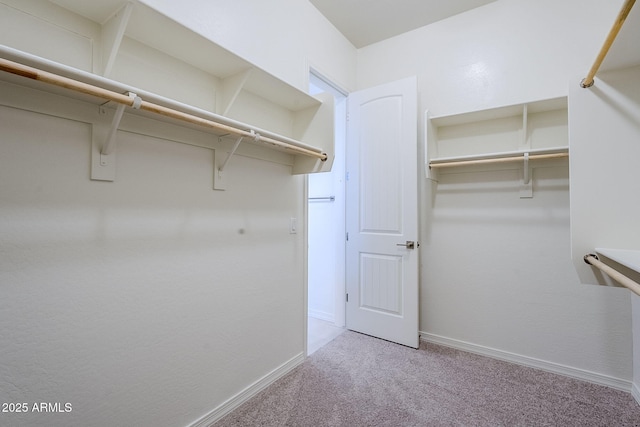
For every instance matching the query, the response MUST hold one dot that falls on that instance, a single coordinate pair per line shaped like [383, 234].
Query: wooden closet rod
[78, 86]
[613, 33]
[593, 260]
[451, 163]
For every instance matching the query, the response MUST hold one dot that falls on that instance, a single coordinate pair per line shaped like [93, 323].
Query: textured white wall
[496, 269]
[140, 301]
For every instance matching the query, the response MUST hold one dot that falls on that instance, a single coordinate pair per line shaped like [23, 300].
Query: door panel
[380, 283]
[382, 273]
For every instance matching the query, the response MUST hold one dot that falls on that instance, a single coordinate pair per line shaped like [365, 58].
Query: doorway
[326, 233]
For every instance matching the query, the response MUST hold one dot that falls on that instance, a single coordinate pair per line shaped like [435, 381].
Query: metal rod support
[233, 151]
[526, 177]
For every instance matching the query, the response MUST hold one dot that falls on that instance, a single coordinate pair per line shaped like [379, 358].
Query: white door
[382, 212]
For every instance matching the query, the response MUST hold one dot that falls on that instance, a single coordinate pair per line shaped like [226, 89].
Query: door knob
[410, 244]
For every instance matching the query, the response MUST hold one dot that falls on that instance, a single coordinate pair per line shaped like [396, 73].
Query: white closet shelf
[533, 107]
[190, 82]
[151, 28]
[71, 82]
[505, 135]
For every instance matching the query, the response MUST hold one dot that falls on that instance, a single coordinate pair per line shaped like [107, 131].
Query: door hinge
[347, 297]
[347, 236]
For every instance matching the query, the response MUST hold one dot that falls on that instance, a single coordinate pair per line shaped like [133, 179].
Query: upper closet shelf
[128, 57]
[102, 90]
[151, 28]
[505, 137]
[535, 130]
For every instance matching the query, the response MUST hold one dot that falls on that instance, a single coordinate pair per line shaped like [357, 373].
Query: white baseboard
[635, 392]
[556, 368]
[234, 402]
[322, 315]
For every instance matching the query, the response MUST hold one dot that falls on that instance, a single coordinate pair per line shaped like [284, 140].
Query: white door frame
[340, 291]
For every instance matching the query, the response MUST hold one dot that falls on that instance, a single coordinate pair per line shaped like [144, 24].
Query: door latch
[410, 244]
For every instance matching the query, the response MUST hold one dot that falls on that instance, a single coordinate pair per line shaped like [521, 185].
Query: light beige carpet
[357, 380]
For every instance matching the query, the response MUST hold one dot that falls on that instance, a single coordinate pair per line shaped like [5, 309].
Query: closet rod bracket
[586, 258]
[110, 142]
[527, 175]
[219, 182]
[586, 85]
[104, 138]
[233, 151]
[526, 190]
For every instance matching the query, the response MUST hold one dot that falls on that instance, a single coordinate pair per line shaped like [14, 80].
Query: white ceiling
[368, 21]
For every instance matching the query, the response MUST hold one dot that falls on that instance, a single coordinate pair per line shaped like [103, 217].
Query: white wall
[140, 301]
[604, 143]
[496, 271]
[153, 299]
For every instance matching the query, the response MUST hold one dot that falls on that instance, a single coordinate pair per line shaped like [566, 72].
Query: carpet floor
[357, 380]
